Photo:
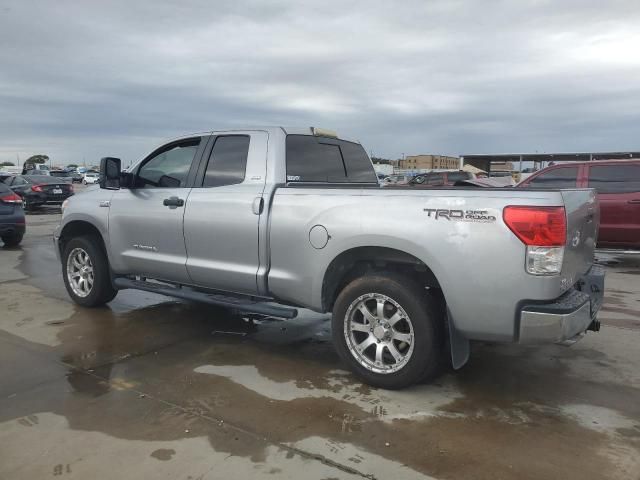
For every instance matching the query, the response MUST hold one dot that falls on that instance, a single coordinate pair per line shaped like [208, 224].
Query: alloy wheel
[80, 272]
[379, 333]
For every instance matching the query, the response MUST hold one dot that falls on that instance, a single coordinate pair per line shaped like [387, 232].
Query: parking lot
[155, 388]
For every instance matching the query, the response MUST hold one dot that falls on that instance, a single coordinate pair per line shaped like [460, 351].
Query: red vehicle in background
[618, 185]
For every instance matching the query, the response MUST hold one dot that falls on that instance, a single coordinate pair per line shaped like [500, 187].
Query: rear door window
[228, 161]
[615, 178]
[316, 159]
[565, 177]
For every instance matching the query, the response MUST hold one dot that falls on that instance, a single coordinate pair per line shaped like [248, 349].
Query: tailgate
[583, 219]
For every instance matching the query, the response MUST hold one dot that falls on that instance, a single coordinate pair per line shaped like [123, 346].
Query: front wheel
[85, 270]
[386, 329]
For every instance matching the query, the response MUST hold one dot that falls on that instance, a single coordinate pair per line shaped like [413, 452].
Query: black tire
[102, 290]
[12, 240]
[425, 361]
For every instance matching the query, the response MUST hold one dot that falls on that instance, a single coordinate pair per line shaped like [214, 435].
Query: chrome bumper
[566, 319]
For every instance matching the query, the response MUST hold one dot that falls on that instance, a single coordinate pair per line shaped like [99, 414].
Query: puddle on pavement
[54, 449]
[10, 263]
[283, 381]
[193, 370]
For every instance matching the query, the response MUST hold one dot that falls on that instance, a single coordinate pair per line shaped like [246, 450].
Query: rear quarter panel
[480, 265]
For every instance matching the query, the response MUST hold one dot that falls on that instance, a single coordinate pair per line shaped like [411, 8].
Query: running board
[237, 303]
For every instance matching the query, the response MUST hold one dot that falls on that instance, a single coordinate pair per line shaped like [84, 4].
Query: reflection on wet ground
[195, 391]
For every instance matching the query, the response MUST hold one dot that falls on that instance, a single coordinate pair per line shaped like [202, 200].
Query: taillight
[540, 226]
[11, 198]
[544, 231]
[36, 188]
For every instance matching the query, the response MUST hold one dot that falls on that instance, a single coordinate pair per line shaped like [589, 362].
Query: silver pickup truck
[268, 220]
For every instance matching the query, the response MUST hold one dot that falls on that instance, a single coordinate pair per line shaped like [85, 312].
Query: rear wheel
[386, 329]
[12, 240]
[85, 269]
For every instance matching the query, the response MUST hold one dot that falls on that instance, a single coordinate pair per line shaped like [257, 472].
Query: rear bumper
[565, 319]
[37, 199]
[12, 229]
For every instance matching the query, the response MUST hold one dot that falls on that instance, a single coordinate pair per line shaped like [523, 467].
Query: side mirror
[110, 173]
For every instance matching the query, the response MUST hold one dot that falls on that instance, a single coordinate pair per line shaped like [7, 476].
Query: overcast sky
[90, 79]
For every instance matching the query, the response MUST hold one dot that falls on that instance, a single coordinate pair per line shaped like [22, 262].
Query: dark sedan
[38, 190]
[12, 223]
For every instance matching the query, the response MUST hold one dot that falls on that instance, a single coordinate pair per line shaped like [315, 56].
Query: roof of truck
[267, 128]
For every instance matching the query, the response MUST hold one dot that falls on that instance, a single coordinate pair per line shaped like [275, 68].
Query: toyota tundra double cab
[270, 220]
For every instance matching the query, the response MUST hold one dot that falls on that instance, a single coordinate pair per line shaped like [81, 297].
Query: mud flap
[459, 344]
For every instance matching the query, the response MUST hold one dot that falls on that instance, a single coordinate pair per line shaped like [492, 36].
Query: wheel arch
[358, 261]
[77, 228]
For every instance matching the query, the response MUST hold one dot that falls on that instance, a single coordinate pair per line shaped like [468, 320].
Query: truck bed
[461, 254]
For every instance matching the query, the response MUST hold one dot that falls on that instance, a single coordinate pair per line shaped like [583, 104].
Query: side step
[237, 303]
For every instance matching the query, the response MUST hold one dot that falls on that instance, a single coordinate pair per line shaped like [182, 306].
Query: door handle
[173, 202]
[258, 205]
[634, 201]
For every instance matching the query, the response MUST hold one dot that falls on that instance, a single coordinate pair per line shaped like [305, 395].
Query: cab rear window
[329, 160]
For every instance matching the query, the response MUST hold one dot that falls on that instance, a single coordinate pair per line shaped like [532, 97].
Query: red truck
[618, 185]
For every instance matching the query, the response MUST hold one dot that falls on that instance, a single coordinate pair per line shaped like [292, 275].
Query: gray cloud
[88, 79]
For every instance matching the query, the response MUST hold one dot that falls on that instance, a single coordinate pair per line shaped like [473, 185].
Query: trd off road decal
[479, 216]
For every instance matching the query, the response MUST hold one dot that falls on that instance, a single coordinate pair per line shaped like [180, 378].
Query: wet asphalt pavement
[155, 388]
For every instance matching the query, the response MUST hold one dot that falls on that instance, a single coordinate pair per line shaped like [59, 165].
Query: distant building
[502, 167]
[430, 162]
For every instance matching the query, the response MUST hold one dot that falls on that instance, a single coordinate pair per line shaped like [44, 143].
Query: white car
[90, 178]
